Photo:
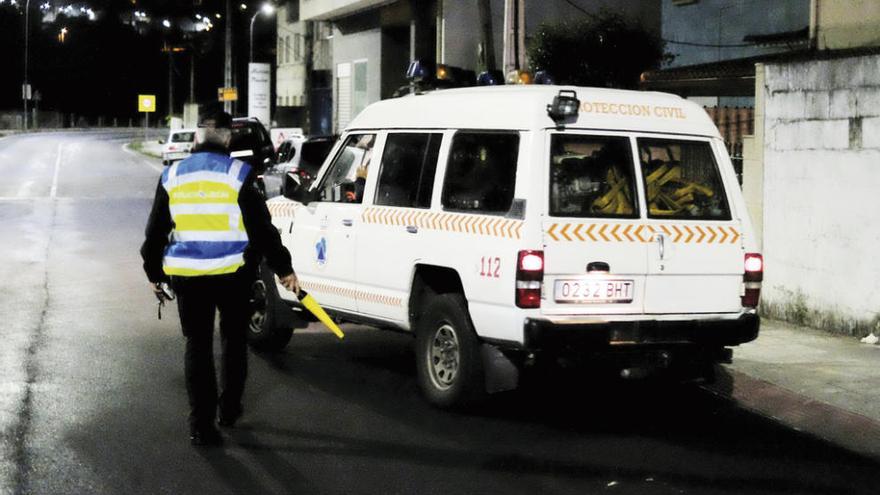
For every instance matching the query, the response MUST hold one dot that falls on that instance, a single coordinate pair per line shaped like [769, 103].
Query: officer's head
[215, 127]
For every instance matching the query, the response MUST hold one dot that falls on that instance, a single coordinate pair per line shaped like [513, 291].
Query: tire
[448, 359]
[166, 162]
[266, 331]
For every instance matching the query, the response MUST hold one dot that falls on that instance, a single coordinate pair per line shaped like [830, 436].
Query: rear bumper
[540, 335]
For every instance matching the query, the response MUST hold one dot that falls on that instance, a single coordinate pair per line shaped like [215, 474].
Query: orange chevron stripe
[690, 234]
[626, 232]
[736, 235]
[678, 232]
[638, 233]
[564, 231]
[602, 230]
[713, 235]
[577, 231]
[702, 234]
[614, 232]
[724, 235]
[589, 232]
[518, 230]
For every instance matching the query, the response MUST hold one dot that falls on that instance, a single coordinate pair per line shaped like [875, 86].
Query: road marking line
[54, 191]
[141, 159]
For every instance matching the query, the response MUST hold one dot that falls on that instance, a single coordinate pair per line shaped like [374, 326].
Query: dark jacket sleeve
[158, 228]
[262, 235]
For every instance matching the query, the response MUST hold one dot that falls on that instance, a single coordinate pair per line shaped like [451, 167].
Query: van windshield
[682, 181]
[591, 176]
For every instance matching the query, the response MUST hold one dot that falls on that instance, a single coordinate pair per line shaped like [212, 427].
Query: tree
[603, 50]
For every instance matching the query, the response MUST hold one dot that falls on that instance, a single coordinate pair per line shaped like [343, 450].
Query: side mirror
[295, 190]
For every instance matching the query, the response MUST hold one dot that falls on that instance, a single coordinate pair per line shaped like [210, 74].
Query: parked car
[178, 145]
[503, 227]
[251, 143]
[299, 159]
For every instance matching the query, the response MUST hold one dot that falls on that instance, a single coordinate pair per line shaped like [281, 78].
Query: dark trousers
[198, 298]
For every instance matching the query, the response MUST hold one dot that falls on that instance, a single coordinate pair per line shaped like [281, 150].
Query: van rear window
[183, 137]
[591, 176]
[682, 181]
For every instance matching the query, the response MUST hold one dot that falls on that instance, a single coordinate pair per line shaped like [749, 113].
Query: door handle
[412, 229]
[347, 222]
[661, 243]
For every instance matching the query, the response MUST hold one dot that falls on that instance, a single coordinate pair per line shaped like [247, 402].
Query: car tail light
[172, 148]
[529, 276]
[752, 278]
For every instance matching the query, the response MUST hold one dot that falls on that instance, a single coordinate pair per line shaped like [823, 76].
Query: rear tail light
[529, 276]
[172, 148]
[752, 278]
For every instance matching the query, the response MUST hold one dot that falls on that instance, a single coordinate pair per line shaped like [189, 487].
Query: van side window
[407, 174]
[682, 181]
[592, 176]
[481, 173]
[344, 180]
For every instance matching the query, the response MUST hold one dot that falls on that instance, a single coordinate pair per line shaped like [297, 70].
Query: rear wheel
[266, 332]
[448, 361]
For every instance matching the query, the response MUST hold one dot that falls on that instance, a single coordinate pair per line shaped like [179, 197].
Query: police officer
[207, 232]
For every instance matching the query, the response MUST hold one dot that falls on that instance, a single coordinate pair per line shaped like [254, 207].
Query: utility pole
[170, 81]
[227, 68]
[25, 87]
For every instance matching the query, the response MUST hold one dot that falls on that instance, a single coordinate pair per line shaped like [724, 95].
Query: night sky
[104, 63]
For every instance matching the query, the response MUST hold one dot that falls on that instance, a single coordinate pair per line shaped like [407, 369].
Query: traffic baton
[312, 305]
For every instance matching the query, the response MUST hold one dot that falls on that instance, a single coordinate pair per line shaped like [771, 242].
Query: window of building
[287, 49]
[359, 87]
[682, 180]
[481, 172]
[297, 48]
[407, 174]
[592, 176]
[344, 180]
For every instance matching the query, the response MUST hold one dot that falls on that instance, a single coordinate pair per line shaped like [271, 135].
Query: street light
[267, 9]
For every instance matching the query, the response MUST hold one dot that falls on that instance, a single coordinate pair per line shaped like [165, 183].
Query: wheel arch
[429, 281]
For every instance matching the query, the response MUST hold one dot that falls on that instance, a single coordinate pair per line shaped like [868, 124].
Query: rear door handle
[347, 222]
[412, 229]
[661, 243]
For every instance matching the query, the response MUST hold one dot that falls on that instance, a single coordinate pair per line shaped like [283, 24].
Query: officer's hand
[157, 291]
[291, 283]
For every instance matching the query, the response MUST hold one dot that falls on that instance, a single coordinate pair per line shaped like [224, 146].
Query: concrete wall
[821, 200]
[726, 22]
[848, 24]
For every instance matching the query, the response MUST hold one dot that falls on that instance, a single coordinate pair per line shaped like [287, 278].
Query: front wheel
[448, 360]
[266, 331]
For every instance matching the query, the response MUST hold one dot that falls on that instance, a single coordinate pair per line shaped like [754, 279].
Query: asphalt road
[92, 397]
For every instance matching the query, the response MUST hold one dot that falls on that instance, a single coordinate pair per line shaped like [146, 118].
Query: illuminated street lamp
[266, 9]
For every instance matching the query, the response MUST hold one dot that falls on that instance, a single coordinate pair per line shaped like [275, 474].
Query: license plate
[594, 291]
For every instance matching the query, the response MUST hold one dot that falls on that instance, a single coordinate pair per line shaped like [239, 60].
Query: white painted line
[141, 159]
[54, 191]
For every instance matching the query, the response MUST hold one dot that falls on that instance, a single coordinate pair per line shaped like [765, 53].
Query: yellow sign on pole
[146, 103]
[227, 94]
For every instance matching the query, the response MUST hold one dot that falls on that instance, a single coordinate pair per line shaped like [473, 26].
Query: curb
[846, 429]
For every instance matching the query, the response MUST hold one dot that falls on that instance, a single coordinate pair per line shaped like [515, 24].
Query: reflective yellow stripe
[192, 272]
[218, 222]
[199, 192]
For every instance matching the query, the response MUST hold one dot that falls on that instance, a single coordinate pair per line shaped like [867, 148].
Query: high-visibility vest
[209, 237]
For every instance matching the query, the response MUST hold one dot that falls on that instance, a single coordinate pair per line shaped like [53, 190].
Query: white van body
[634, 254]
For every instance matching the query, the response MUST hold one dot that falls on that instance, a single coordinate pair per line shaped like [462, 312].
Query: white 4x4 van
[502, 223]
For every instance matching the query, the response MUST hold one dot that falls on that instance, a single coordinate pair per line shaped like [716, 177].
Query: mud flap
[500, 372]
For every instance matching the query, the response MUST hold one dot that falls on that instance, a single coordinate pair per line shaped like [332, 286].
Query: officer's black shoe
[228, 419]
[205, 436]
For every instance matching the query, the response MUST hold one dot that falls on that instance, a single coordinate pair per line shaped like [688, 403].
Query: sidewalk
[823, 384]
